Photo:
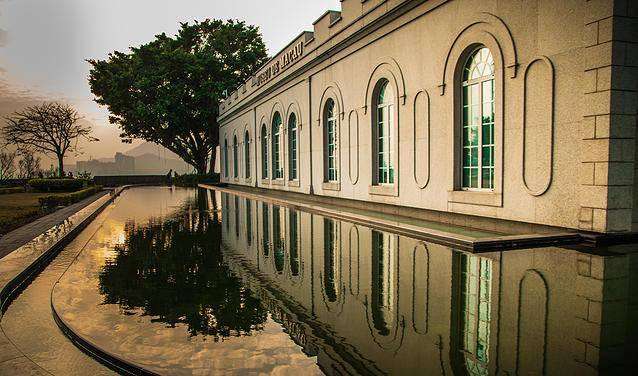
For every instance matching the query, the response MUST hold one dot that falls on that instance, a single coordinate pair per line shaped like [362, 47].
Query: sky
[44, 44]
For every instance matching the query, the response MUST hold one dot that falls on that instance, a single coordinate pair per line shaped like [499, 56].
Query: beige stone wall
[564, 116]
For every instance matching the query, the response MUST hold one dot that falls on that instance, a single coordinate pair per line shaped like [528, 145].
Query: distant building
[122, 164]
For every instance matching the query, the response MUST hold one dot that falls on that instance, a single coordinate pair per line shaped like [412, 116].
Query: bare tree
[28, 165]
[50, 128]
[7, 165]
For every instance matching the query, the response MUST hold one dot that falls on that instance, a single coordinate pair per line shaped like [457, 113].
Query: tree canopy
[168, 90]
[49, 128]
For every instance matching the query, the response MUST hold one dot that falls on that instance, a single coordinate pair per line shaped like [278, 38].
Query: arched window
[277, 166]
[292, 147]
[247, 155]
[295, 263]
[264, 152]
[278, 239]
[383, 282]
[265, 228]
[331, 259]
[330, 141]
[249, 222]
[384, 133]
[235, 158]
[226, 158]
[237, 218]
[472, 298]
[478, 121]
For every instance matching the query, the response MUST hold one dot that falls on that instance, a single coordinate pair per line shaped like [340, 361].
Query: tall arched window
[278, 239]
[277, 166]
[247, 155]
[235, 158]
[226, 158]
[472, 290]
[383, 282]
[265, 228]
[264, 152]
[330, 259]
[293, 234]
[384, 133]
[292, 147]
[249, 222]
[330, 141]
[478, 121]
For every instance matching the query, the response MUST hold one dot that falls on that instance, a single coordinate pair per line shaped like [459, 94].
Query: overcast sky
[43, 44]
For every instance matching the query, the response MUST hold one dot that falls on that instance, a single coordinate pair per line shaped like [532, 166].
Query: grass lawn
[17, 209]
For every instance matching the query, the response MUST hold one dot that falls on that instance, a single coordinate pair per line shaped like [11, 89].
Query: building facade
[520, 111]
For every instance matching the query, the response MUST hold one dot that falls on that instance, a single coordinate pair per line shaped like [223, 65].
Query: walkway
[20, 236]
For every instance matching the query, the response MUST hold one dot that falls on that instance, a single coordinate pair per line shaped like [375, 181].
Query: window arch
[292, 147]
[384, 133]
[330, 141]
[247, 155]
[235, 158]
[226, 158]
[276, 132]
[264, 152]
[477, 106]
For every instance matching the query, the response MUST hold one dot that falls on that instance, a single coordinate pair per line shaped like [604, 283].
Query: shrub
[4, 191]
[58, 185]
[68, 198]
[191, 180]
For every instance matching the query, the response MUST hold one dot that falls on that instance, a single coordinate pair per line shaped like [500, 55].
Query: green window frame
[226, 158]
[264, 152]
[277, 166]
[247, 155]
[384, 134]
[331, 145]
[478, 121]
[235, 158]
[292, 147]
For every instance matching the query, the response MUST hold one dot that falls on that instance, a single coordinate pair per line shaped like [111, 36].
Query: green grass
[17, 209]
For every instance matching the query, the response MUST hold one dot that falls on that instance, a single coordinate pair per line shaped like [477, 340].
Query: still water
[199, 282]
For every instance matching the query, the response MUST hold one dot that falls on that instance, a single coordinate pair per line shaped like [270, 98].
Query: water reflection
[172, 270]
[372, 302]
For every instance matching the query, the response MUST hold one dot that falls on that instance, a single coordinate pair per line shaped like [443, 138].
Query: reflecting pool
[197, 281]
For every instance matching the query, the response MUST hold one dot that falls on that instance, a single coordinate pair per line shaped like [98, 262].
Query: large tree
[168, 90]
[50, 128]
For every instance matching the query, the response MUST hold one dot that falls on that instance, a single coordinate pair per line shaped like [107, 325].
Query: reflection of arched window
[330, 259]
[276, 133]
[384, 133]
[237, 216]
[383, 275]
[472, 287]
[265, 228]
[226, 158]
[478, 121]
[249, 222]
[264, 152]
[330, 141]
[278, 240]
[235, 158]
[247, 155]
[292, 146]
[293, 218]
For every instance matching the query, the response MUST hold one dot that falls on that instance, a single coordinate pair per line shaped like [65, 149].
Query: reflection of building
[457, 108]
[371, 302]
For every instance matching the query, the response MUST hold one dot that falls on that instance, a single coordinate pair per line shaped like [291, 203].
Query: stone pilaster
[609, 110]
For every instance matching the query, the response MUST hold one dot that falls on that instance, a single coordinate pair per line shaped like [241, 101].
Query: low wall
[115, 181]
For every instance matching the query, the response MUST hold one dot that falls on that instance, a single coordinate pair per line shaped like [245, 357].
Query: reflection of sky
[154, 345]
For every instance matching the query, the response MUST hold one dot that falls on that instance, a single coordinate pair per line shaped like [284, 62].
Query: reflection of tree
[173, 269]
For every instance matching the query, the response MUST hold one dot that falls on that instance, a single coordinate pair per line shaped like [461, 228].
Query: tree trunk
[61, 165]
[213, 157]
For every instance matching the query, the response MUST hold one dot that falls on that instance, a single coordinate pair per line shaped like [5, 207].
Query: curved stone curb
[15, 285]
[114, 362]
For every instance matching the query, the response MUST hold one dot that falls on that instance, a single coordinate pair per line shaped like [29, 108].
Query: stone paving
[20, 236]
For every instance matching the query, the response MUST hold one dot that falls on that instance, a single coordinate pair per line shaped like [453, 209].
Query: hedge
[68, 198]
[58, 185]
[4, 191]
